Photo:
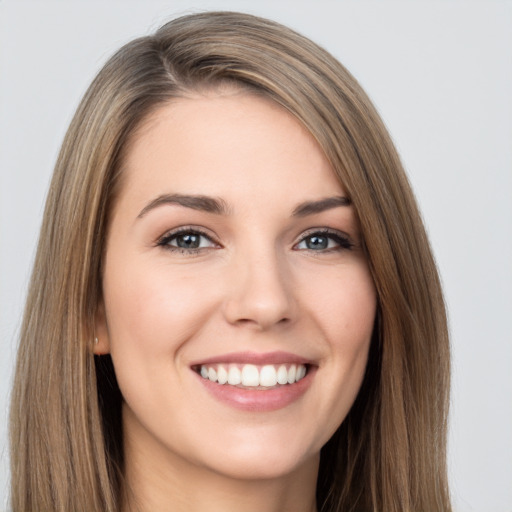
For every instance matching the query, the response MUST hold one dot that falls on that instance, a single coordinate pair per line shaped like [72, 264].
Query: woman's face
[238, 304]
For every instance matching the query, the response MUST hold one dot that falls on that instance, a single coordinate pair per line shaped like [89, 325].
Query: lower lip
[259, 400]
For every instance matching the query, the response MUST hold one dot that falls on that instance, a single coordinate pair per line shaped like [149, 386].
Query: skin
[254, 285]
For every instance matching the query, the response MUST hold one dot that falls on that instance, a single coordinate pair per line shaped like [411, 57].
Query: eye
[325, 240]
[186, 240]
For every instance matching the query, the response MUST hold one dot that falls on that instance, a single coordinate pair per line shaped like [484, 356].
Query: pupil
[188, 241]
[317, 242]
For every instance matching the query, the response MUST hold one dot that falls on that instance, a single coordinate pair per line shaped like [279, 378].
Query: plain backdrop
[439, 72]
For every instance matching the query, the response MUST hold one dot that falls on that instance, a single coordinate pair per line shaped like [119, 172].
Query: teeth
[292, 372]
[268, 376]
[222, 375]
[282, 375]
[250, 375]
[212, 374]
[234, 375]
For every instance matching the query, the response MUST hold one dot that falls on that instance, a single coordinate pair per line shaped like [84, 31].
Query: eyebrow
[219, 206]
[202, 203]
[312, 207]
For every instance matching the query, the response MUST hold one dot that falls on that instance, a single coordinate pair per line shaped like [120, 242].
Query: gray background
[440, 73]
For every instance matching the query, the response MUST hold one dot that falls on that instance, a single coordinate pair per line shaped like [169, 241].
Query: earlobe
[101, 344]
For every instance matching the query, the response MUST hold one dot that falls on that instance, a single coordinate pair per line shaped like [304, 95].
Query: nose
[260, 292]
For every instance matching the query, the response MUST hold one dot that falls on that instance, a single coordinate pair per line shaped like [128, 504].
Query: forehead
[228, 144]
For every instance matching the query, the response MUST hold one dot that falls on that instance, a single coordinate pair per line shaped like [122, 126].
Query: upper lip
[277, 357]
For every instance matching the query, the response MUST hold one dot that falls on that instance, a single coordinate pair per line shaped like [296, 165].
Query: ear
[102, 340]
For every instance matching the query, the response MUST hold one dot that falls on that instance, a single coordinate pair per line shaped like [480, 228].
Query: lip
[257, 400]
[258, 359]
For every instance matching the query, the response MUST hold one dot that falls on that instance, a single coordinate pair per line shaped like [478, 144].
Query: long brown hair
[66, 437]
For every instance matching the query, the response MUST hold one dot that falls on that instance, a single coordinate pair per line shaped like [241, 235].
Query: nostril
[261, 322]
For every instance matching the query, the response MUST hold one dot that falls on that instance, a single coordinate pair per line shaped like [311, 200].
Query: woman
[234, 304]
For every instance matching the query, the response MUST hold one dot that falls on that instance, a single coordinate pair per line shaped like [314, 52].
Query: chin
[264, 467]
[263, 459]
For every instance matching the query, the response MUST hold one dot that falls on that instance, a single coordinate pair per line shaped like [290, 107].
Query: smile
[255, 382]
[253, 376]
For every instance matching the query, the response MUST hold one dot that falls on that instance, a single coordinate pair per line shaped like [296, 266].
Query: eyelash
[186, 230]
[343, 241]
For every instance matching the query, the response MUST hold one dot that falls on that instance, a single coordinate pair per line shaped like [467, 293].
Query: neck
[217, 495]
[156, 481]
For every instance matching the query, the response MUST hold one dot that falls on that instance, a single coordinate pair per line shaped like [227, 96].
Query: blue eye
[324, 241]
[186, 240]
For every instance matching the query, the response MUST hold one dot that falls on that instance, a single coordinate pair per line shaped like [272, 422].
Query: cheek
[345, 315]
[342, 307]
[345, 307]
[150, 307]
